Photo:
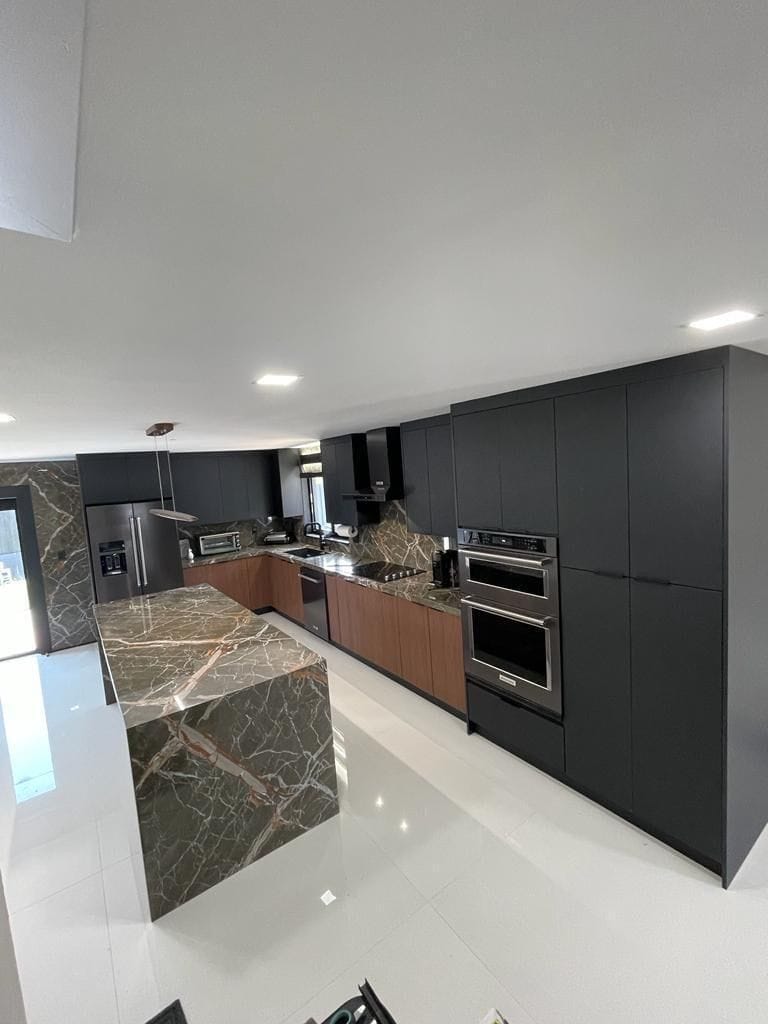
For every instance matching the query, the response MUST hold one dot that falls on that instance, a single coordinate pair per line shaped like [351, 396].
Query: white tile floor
[462, 878]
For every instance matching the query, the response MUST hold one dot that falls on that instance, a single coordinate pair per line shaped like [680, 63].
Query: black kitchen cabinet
[677, 713]
[197, 483]
[592, 485]
[527, 467]
[291, 489]
[476, 439]
[676, 479]
[430, 498]
[234, 470]
[345, 470]
[115, 478]
[597, 689]
[263, 485]
[535, 738]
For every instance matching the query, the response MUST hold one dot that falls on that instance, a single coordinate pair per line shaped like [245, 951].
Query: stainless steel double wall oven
[510, 607]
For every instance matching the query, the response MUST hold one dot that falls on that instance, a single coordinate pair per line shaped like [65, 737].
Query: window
[317, 503]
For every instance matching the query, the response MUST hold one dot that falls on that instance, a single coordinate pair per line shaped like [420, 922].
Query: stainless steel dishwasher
[315, 603]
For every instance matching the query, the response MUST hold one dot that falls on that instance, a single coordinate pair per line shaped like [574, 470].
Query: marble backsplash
[55, 490]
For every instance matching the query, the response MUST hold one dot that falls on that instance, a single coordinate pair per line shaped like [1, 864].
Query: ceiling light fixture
[5, 417]
[714, 323]
[163, 430]
[277, 380]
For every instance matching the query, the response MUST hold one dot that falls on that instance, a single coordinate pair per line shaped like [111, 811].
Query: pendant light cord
[159, 476]
[170, 473]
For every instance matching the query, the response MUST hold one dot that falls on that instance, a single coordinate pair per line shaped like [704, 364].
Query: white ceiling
[407, 202]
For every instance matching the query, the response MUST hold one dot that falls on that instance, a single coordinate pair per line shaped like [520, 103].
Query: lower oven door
[514, 652]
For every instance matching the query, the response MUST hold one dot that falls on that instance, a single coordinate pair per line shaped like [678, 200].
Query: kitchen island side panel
[746, 711]
[226, 782]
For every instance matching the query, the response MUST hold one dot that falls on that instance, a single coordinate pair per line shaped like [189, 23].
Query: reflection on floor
[456, 878]
[17, 635]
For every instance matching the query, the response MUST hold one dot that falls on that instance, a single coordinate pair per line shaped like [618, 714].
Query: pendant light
[163, 430]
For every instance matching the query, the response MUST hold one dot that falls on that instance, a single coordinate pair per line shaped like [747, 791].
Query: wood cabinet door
[527, 468]
[332, 588]
[286, 588]
[447, 655]
[677, 713]
[380, 629]
[416, 480]
[230, 578]
[194, 574]
[260, 581]
[415, 657]
[676, 479]
[592, 487]
[478, 483]
[597, 688]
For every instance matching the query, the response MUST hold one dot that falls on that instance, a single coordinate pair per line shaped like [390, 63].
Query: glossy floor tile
[456, 878]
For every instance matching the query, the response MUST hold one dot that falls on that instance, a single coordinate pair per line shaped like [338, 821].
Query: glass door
[17, 627]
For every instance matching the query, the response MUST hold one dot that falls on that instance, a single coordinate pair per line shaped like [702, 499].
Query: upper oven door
[516, 653]
[527, 582]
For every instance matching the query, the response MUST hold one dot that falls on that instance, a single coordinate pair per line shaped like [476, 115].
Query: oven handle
[534, 620]
[536, 563]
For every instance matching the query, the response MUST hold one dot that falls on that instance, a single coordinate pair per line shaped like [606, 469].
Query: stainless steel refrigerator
[132, 552]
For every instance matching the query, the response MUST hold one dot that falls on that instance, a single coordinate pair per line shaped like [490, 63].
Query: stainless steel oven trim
[547, 567]
[521, 560]
[510, 682]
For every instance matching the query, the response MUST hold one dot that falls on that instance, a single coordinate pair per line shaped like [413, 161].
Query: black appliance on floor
[510, 610]
[374, 1011]
[132, 552]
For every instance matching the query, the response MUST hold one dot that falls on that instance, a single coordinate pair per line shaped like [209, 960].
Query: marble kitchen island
[229, 733]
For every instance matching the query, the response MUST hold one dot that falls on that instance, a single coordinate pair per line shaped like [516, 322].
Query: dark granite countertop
[174, 650]
[417, 589]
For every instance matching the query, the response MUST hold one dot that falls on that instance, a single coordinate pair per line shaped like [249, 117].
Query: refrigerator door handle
[141, 549]
[134, 539]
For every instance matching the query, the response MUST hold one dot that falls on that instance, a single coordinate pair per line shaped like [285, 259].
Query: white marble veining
[463, 878]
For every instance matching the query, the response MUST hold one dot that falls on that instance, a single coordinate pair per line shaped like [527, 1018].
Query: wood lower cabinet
[332, 586]
[415, 655]
[231, 578]
[260, 581]
[447, 655]
[286, 589]
[368, 622]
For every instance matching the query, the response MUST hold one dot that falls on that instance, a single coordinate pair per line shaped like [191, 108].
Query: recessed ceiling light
[5, 417]
[714, 323]
[277, 380]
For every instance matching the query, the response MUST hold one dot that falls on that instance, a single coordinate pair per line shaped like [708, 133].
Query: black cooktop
[385, 572]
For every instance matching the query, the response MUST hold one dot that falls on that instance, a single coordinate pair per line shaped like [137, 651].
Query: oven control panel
[510, 541]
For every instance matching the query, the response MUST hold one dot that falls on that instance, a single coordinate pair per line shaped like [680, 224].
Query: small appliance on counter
[445, 568]
[279, 533]
[218, 543]
[185, 550]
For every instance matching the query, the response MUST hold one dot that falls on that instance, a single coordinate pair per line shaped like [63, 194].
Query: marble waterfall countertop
[418, 589]
[171, 651]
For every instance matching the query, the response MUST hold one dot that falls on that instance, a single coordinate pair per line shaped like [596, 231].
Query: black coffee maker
[445, 568]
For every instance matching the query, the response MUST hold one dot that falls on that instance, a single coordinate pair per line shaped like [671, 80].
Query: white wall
[11, 1004]
[41, 52]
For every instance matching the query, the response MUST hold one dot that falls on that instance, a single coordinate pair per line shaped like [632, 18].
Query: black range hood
[385, 467]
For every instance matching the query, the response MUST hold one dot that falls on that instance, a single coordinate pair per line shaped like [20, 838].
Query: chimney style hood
[385, 466]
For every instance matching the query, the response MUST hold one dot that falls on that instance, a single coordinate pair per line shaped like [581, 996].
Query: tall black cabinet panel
[677, 713]
[476, 439]
[334, 507]
[263, 484]
[234, 468]
[527, 464]
[442, 494]
[676, 479]
[291, 488]
[197, 484]
[592, 488]
[418, 506]
[597, 690]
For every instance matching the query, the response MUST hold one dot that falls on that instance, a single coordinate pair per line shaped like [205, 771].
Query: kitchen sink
[305, 552]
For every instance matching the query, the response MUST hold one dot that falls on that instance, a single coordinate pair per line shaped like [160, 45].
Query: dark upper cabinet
[476, 437]
[345, 462]
[263, 485]
[234, 471]
[527, 465]
[592, 487]
[677, 713]
[442, 493]
[197, 483]
[291, 489]
[430, 498]
[597, 690]
[113, 479]
[676, 479]
[418, 505]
